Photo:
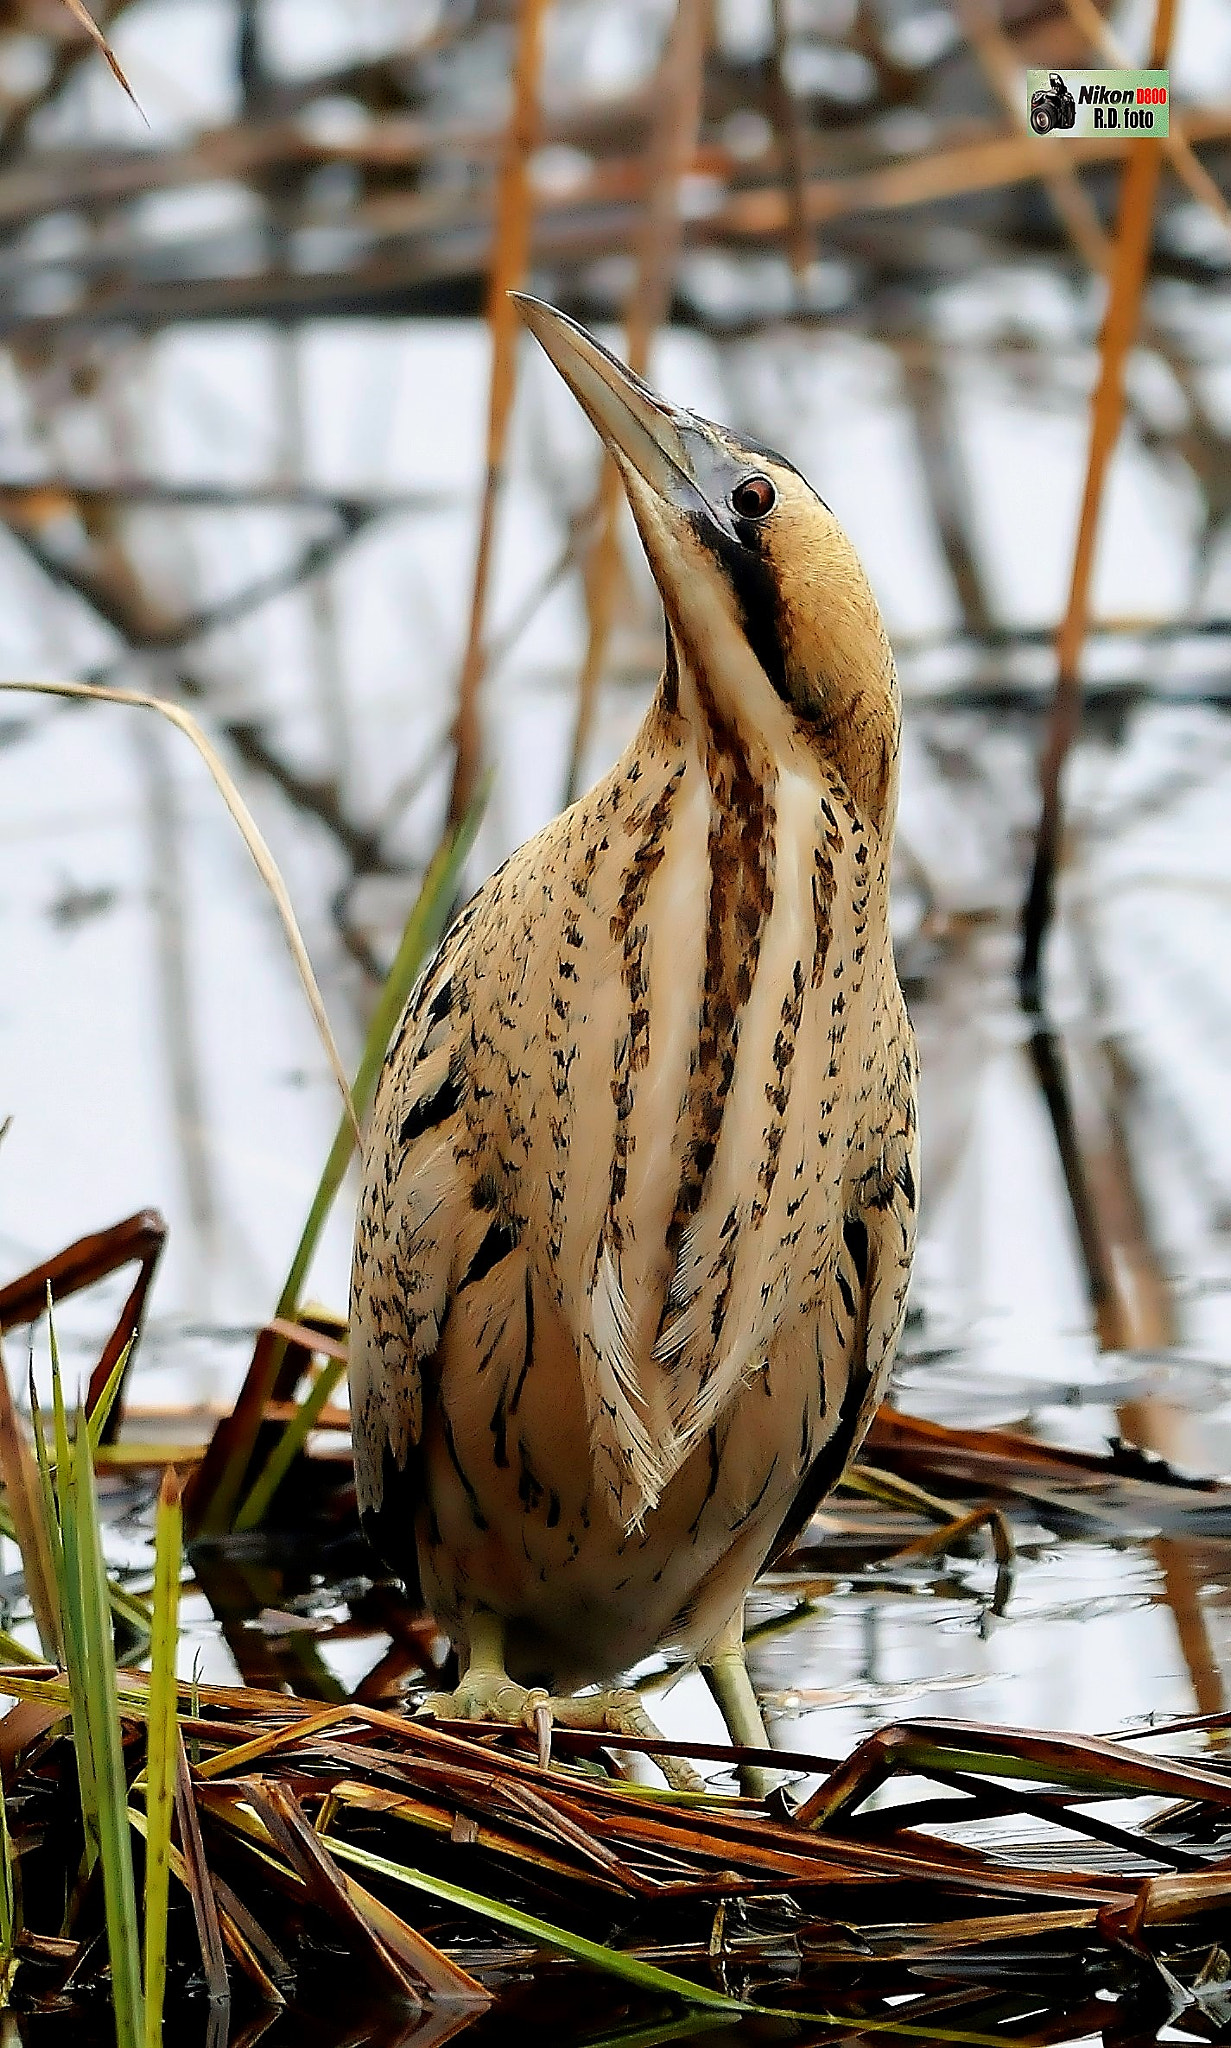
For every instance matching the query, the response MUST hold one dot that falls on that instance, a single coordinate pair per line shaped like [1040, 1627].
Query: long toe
[484, 1696]
[620, 1712]
[627, 1716]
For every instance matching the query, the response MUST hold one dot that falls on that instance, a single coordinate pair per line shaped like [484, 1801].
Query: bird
[638, 1201]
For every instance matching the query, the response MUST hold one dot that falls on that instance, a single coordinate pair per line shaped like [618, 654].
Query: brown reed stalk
[23, 1493]
[509, 254]
[949, 172]
[789, 131]
[672, 145]
[998, 58]
[1102, 37]
[80, 13]
[1115, 1319]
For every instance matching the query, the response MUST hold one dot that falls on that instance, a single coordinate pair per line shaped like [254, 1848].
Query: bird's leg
[485, 1691]
[619, 1711]
[726, 1674]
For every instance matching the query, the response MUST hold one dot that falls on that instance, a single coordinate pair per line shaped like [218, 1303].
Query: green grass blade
[79, 1510]
[419, 938]
[421, 934]
[135, 1612]
[10, 1921]
[13, 1652]
[161, 1750]
[51, 1512]
[422, 930]
[72, 1620]
[288, 1446]
[657, 2034]
[613, 1962]
[107, 1399]
[127, 1607]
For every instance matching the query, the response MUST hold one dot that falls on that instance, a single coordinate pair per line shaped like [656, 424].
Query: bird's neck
[746, 755]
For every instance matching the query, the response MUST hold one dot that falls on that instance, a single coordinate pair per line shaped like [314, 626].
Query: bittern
[638, 1206]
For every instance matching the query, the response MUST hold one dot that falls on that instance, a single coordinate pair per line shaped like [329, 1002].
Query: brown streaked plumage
[638, 1208]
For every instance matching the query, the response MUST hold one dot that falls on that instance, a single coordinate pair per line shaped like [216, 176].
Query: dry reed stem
[135, 1240]
[788, 128]
[1183, 1590]
[671, 148]
[263, 859]
[23, 1492]
[1119, 331]
[198, 1879]
[88, 23]
[946, 173]
[1103, 38]
[510, 250]
[1115, 1320]
[584, 1846]
[1073, 207]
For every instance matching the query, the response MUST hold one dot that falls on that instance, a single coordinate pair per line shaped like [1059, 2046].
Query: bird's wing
[419, 1228]
[872, 1274]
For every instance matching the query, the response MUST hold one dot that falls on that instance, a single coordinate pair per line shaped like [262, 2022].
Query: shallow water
[1097, 1629]
[155, 1049]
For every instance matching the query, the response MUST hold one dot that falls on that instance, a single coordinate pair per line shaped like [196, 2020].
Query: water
[155, 1050]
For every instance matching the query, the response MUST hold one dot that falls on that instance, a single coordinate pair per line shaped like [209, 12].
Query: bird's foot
[493, 1696]
[619, 1711]
[486, 1695]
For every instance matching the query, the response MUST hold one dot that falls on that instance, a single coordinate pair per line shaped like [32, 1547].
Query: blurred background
[262, 409]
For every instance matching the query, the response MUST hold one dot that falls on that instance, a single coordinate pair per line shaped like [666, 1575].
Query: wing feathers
[632, 1447]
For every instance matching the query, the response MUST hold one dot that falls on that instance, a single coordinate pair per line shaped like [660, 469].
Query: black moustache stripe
[756, 595]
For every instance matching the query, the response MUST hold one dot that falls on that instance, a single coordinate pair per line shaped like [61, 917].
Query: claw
[482, 1696]
[487, 1693]
[542, 1728]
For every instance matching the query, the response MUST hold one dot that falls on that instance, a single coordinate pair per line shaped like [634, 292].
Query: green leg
[485, 1691]
[726, 1674]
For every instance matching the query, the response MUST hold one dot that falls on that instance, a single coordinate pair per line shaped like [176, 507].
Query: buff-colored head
[765, 597]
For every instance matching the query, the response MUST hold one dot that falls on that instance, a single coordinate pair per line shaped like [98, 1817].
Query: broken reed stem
[510, 252]
[81, 14]
[10, 1906]
[671, 148]
[1113, 1313]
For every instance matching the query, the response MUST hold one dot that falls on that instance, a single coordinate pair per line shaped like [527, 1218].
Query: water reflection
[159, 1054]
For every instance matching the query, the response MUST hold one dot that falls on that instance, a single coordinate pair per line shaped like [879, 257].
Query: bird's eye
[754, 497]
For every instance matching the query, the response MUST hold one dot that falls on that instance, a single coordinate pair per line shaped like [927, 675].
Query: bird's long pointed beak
[638, 427]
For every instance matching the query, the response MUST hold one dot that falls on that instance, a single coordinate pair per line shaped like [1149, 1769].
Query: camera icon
[1053, 106]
